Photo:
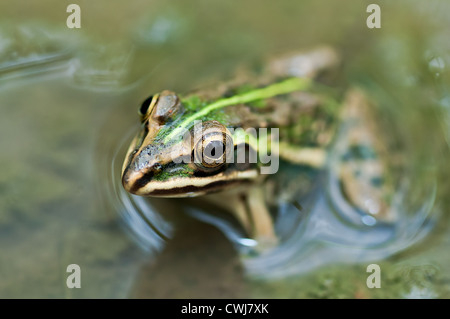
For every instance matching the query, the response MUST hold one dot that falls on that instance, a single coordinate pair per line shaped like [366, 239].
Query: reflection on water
[38, 50]
[31, 50]
[139, 216]
[49, 214]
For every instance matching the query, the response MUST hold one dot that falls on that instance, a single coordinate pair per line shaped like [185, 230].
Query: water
[69, 101]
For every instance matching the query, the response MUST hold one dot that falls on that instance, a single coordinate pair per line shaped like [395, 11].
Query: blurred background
[68, 103]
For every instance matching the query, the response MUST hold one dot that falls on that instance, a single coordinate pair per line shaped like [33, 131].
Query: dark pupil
[215, 149]
[144, 107]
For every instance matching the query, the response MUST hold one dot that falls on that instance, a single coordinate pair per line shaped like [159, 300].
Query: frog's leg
[250, 209]
[311, 156]
[263, 228]
[235, 204]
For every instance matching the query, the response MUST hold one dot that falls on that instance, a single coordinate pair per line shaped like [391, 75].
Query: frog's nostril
[156, 167]
[135, 181]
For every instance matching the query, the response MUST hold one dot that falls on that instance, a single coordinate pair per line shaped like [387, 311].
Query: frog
[212, 144]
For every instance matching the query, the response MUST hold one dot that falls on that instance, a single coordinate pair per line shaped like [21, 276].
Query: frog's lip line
[178, 187]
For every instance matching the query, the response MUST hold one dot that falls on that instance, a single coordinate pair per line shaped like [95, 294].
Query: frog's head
[173, 157]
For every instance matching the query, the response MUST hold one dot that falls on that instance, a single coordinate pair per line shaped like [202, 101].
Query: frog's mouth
[145, 184]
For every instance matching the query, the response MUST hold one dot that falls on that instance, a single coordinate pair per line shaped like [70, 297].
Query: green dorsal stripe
[286, 86]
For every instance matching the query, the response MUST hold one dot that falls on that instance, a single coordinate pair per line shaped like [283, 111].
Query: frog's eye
[167, 107]
[147, 107]
[213, 147]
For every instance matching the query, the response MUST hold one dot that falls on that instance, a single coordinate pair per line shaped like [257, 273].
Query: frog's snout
[134, 180]
[130, 180]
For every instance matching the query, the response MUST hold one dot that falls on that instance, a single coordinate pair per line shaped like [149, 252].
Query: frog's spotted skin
[363, 172]
[287, 96]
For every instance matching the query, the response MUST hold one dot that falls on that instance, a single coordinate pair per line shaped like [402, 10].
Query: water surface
[69, 98]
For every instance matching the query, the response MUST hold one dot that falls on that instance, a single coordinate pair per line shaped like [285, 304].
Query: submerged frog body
[258, 139]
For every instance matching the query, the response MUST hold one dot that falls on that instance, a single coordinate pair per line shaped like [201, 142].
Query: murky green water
[68, 99]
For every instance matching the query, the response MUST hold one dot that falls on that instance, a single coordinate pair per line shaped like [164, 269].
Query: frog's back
[305, 118]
